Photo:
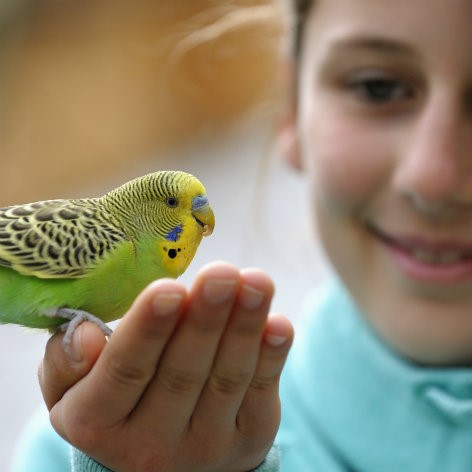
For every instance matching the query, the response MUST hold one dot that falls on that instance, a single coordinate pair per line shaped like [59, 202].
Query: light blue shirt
[351, 404]
[40, 448]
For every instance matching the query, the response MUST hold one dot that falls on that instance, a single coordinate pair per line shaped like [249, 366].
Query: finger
[189, 356]
[121, 374]
[259, 415]
[237, 356]
[59, 370]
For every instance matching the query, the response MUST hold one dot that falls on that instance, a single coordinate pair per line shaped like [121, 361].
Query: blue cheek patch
[174, 235]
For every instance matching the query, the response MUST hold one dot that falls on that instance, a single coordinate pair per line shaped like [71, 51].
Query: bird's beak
[203, 214]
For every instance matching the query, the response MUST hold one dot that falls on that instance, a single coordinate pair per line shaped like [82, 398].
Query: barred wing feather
[56, 238]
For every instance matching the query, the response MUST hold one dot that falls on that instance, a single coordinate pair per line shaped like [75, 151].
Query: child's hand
[188, 381]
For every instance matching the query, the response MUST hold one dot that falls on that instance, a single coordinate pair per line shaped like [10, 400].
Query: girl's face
[384, 124]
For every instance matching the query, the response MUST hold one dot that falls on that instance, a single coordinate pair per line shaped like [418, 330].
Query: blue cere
[199, 201]
[174, 235]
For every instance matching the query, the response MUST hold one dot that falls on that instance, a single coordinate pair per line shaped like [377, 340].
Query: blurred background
[97, 92]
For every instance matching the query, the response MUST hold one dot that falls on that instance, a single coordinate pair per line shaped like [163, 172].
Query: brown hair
[301, 8]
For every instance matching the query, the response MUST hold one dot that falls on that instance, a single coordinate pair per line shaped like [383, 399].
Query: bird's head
[166, 203]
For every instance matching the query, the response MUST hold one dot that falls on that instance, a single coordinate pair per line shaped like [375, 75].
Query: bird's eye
[172, 202]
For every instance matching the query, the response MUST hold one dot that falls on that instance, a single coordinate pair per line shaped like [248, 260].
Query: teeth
[450, 257]
[435, 258]
[425, 256]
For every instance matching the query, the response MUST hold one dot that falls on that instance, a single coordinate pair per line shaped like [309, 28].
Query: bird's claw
[75, 317]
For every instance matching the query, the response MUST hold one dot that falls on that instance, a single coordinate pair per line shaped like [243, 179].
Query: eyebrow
[372, 43]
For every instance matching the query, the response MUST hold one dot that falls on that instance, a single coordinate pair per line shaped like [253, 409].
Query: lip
[442, 262]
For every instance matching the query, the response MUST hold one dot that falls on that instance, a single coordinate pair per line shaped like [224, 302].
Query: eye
[172, 202]
[380, 90]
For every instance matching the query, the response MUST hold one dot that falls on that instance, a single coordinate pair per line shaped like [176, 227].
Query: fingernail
[275, 341]
[250, 298]
[75, 348]
[218, 290]
[165, 304]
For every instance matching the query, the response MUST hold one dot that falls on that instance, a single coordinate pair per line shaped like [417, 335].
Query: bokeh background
[97, 92]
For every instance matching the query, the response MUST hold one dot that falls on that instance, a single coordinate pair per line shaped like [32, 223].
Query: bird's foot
[75, 317]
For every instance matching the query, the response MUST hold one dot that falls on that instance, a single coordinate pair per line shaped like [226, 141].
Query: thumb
[59, 370]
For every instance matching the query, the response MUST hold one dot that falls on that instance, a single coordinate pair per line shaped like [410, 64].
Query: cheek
[347, 163]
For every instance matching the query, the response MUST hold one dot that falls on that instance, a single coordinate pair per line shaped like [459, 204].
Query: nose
[435, 169]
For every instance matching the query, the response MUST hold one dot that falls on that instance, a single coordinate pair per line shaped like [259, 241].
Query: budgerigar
[64, 261]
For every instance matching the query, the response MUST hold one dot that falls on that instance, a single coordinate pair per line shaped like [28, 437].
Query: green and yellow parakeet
[64, 261]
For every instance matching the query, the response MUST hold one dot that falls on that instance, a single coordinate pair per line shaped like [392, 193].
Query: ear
[287, 134]
[287, 141]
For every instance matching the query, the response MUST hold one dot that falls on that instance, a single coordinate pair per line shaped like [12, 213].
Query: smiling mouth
[442, 254]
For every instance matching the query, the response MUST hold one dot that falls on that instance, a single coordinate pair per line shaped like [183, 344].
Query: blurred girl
[379, 378]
